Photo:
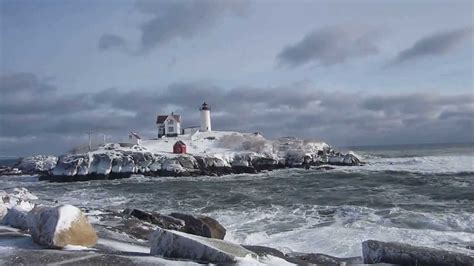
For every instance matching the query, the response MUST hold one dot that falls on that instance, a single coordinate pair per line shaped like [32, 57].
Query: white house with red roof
[168, 125]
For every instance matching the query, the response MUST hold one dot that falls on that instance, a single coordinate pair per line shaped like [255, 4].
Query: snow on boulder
[179, 245]
[57, 227]
[37, 163]
[16, 218]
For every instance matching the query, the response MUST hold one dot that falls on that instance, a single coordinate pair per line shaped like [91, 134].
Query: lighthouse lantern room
[205, 117]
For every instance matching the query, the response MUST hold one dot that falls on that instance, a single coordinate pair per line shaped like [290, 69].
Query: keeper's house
[168, 125]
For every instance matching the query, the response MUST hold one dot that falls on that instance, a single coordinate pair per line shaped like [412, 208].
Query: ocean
[416, 194]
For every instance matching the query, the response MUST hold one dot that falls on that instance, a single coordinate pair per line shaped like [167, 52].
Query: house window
[170, 122]
[170, 129]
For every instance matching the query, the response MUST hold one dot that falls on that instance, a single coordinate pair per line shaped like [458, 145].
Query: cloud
[173, 20]
[110, 41]
[330, 45]
[436, 44]
[50, 120]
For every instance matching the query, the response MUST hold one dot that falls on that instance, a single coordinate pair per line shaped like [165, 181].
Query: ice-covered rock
[60, 226]
[37, 164]
[19, 197]
[72, 164]
[6, 170]
[179, 245]
[404, 254]
[16, 217]
[200, 225]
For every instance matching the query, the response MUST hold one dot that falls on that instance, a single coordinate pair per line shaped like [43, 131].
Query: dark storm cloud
[436, 44]
[171, 20]
[50, 116]
[330, 45]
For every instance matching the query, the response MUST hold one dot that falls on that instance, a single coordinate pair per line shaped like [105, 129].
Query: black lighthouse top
[205, 107]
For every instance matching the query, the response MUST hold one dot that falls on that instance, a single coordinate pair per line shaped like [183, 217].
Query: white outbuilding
[134, 138]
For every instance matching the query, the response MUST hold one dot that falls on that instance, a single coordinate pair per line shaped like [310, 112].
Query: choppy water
[416, 194]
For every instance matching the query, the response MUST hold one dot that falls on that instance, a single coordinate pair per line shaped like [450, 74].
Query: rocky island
[208, 153]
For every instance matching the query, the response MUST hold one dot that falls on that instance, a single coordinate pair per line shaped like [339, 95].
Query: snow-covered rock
[179, 245]
[404, 254]
[18, 198]
[37, 164]
[60, 226]
[7, 170]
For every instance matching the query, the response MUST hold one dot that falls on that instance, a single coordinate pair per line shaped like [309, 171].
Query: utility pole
[90, 140]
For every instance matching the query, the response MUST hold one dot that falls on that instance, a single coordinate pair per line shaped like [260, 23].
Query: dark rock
[239, 169]
[135, 228]
[325, 167]
[163, 221]
[200, 225]
[78, 178]
[264, 163]
[404, 254]
[265, 251]
[320, 259]
[303, 258]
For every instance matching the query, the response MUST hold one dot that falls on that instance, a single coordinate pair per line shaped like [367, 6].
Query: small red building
[179, 147]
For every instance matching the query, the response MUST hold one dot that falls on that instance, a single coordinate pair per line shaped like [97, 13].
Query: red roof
[179, 142]
[161, 118]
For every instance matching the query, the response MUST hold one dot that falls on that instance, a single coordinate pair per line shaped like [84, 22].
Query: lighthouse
[205, 117]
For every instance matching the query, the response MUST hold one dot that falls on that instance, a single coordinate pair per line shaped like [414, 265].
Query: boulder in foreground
[403, 254]
[179, 245]
[200, 225]
[163, 221]
[57, 227]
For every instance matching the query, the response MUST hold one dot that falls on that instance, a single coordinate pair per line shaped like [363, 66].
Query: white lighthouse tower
[205, 117]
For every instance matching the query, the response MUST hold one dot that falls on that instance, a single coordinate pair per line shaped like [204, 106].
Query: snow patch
[67, 215]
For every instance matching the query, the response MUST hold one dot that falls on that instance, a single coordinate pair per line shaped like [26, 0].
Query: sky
[345, 72]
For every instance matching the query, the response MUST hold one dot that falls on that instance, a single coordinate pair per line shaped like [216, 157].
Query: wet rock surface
[179, 245]
[404, 254]
[303, 258]
[200, 225]
[163, 221]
